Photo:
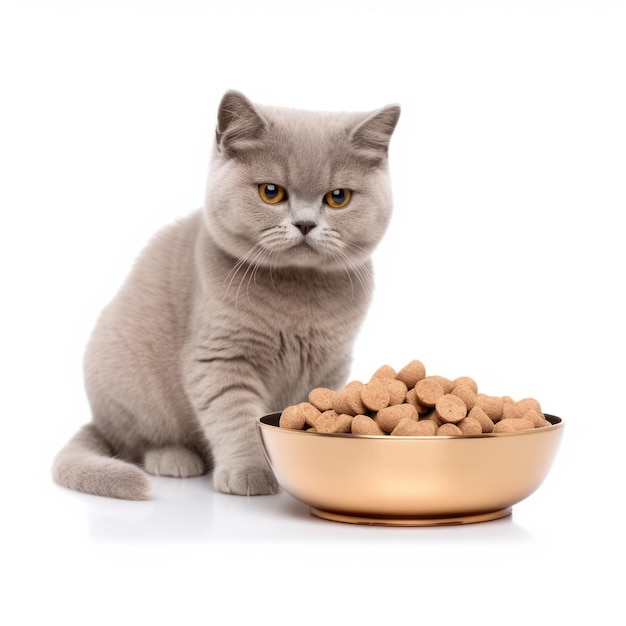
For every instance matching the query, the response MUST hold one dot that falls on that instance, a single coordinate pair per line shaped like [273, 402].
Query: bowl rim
[266, 422]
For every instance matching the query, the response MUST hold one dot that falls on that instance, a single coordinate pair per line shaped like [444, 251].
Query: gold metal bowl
[409, 481]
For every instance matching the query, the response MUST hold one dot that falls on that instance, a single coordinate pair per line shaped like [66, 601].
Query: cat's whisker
[336, 239]
[258, 253]
[361, 268]
[269, 251]
[361, 272]
[254, 259]
[258, 262]
[271, 265]
[240, 263]
[233, 272]
[275, 238]
[347, 265]
[354, 245]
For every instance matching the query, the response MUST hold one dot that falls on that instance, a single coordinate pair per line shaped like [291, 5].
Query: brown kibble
[385, 371]
[429, 427]
[344, 423]
[450, 409]
[310, 413]
[396, 389]
[432, 415]
[322, 398]
[536, 418]
[326, 416]
[470, 426]
[292, 417]
[482, 418]
[446, 383]
[405, 427]
[411, 398]
[512, 411]
[512, 425]
[348, 400]
[374, 395]
[364, 425]
[428, 391]
[408, 427]
[465, 381]
[389, 417]
[411, 373]
[467, 394]
[526, 404]
[331, 422]
[408, 402]
[353, 383]
[491, 405]
[449, 430]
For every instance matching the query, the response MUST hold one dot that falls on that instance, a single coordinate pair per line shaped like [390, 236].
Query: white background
[504, 261]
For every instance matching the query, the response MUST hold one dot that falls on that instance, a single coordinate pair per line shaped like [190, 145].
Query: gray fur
[233, 312]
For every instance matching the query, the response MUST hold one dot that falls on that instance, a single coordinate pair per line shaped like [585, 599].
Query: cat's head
[294, 188]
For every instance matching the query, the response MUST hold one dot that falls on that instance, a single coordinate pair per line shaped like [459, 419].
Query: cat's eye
[272, 194]
[338, 198]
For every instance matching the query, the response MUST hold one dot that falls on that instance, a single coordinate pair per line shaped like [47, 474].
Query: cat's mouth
[304, 248]
[302, 244]
[304, 252]
[305, 242]
[314, 254]
[324, 249]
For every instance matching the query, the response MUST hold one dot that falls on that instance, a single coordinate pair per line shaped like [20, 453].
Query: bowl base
[412, 521]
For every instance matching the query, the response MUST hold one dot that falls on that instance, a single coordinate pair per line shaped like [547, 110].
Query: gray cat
[239, 309]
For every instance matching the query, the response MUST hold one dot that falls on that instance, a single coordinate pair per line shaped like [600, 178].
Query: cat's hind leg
[176, 461]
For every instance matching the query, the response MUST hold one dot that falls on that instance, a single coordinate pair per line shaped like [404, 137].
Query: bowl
[409, 481]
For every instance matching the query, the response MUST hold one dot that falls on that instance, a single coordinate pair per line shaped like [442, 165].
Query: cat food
[299, 416]
[375, 395]
[333, 422]
[365, 425]
[428, 391]
[410, 403]
[450, 409]
[389, 417]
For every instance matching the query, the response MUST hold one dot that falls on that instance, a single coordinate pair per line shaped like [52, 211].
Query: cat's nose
[305, 227]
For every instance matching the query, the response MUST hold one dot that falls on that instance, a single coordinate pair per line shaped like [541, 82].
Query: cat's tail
[86, 464]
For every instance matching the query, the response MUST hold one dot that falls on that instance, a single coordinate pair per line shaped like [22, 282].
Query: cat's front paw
[174, 461]
[245, 481]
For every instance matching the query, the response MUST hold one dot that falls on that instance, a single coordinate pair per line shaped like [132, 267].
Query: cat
[239, 309]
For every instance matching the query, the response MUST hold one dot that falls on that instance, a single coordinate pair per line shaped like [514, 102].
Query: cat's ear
[239, 124]
[371, 136]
